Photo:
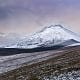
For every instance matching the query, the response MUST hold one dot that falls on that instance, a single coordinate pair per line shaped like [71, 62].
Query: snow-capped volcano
[48, 36]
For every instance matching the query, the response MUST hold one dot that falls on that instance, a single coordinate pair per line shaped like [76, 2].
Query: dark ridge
[13, 51]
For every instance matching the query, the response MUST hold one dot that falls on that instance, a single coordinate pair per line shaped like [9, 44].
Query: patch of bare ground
[66, 61]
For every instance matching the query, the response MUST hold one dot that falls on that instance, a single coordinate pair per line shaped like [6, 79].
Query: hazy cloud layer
[29, 15]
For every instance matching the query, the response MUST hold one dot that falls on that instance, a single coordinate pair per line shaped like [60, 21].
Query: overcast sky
[27, 16]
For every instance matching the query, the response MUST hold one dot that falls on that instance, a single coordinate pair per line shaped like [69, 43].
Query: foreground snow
[73, 75]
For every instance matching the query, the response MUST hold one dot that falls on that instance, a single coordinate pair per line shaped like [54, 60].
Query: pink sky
[27, 16]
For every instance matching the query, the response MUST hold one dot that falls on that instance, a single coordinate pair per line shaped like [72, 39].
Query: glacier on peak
[47, 37]
[50, 36]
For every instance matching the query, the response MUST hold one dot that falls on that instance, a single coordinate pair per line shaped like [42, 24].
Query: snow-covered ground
[8, 63]
[73, 75]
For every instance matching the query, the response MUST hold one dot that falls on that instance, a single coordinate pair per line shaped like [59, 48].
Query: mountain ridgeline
[49, 38]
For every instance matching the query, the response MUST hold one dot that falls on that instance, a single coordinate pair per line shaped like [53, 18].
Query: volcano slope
[61, 64]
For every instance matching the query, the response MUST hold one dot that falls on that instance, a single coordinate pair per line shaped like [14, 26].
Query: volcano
[49, 36]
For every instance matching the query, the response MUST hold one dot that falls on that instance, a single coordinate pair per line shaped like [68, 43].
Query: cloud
[35, 7]
[28, 15]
